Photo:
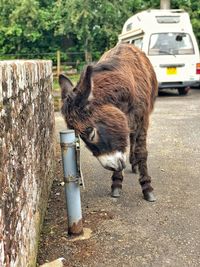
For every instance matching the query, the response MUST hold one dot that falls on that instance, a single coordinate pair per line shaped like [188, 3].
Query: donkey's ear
[65, 85]
[84, 87]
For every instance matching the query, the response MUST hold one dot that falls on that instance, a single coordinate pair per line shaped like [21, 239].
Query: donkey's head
[101, 126]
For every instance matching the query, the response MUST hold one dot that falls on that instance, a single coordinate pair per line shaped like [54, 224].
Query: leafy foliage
[43, 26]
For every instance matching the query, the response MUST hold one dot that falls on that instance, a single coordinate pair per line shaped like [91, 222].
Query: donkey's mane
[107, 65]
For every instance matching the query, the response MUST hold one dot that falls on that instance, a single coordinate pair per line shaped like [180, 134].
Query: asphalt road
[130, 231]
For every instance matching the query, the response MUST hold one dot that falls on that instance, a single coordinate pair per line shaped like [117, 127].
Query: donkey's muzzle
[115, 161]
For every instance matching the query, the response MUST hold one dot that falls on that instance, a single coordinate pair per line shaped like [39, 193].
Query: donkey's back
[129, 69]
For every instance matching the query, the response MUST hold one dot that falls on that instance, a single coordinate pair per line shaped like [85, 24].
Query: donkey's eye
[89, 130]
[91, 133]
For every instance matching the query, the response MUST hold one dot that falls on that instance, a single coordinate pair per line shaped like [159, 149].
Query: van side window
[137, 42]
[129, 27]
[170, 44]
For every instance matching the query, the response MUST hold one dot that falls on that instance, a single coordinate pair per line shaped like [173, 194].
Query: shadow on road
[174, 92]
[168, 93]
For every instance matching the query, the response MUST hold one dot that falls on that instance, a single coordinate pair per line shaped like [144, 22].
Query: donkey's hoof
[149, 196]
[134, 169]
[115, 192]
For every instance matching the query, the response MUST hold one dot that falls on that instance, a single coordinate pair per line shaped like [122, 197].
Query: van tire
[183, 91]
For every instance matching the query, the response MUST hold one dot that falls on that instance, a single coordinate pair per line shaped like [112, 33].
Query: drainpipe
[72, 182]
[165, 4]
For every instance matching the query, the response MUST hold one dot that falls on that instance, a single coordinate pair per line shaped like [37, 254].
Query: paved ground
[130, 231]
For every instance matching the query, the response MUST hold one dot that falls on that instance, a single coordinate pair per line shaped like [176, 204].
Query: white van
[167, 38]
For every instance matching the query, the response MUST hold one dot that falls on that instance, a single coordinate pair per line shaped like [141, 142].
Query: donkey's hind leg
[132, 158]
[116, 186]
[141, 157]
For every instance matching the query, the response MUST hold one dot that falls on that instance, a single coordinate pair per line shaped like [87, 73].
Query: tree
[95, 24]
[23, 26]
[75, 25]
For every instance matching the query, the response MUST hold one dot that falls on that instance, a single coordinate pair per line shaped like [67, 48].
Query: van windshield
[170, 44]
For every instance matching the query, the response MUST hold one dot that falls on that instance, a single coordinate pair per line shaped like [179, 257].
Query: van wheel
[183, 91]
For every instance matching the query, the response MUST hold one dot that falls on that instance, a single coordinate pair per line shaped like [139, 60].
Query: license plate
[171, 71]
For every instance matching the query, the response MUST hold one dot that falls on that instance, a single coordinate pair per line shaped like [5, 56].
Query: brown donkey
[111, 102]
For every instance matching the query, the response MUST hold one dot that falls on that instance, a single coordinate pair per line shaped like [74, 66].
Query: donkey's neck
[116, 96]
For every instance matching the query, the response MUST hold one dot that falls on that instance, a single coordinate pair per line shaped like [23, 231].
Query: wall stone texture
[26, 157]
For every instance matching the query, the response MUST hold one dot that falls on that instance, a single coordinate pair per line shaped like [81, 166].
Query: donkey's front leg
[141, 157]
[116, 186]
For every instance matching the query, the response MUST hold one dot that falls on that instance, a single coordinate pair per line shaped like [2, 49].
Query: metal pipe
[71, 179]
[165, 4]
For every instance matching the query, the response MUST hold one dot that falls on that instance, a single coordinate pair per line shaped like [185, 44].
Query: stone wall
[26, 157]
